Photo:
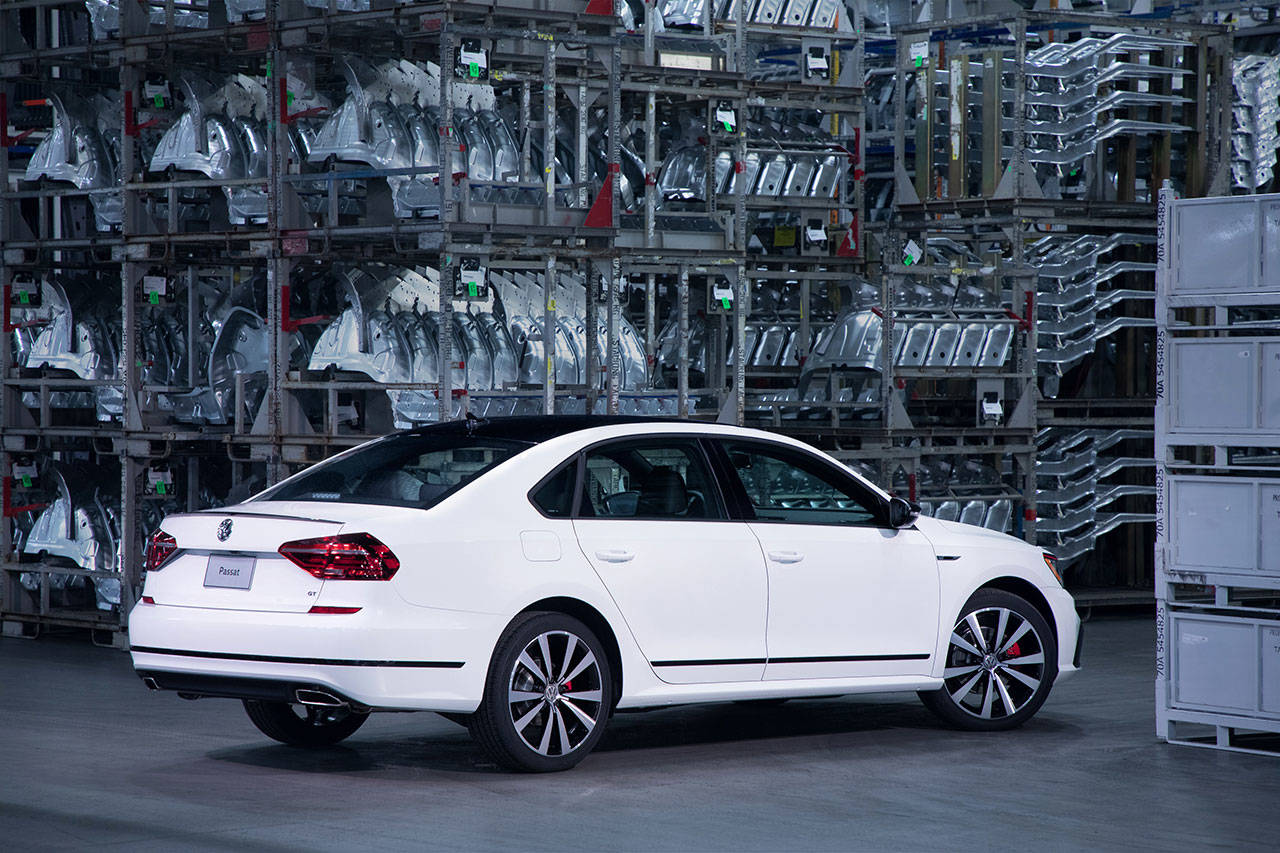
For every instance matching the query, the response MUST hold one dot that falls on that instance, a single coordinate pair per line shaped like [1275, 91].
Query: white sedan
[528, 576]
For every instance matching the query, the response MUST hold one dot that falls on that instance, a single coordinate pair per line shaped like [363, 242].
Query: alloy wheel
[995, 663]
[555, 694]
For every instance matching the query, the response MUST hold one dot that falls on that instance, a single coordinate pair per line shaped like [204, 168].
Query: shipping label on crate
[159, 481]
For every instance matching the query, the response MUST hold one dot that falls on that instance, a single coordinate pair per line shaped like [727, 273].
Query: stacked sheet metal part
[1069, 85]
[1255, 112]
[79, 527]
[104, 15]
[1076, 301]
[74, 333]
[82, 149]
[946, 488]
[388, 329]
[1074, 499]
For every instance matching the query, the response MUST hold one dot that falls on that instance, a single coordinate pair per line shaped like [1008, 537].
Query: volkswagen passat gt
[528, 576]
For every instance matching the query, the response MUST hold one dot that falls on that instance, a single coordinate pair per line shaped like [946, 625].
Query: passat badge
[224, 530]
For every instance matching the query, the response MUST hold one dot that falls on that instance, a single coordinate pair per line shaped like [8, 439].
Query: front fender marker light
[320, 608]
[1052, 562]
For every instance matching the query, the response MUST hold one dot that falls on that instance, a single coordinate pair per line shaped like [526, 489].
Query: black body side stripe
[419, 664]
[829, 659]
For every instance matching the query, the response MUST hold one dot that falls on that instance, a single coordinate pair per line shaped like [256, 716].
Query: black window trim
[579, 457]
[743, 502]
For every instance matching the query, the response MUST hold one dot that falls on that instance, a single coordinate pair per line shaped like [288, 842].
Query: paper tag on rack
[727, 119]
[154, 286]
[918, 53]
[157, 93]
[24, 473]
[722, 294]
[912, 253]
[815, 235]
[160, 481]
[475, 61]
[816, 61]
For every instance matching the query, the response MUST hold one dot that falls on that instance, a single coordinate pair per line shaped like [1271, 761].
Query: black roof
[532, 428]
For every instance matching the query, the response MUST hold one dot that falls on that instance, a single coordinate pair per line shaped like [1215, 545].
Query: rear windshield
[399, 470]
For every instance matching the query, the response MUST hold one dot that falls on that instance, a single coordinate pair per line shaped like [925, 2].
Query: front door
[848, 595]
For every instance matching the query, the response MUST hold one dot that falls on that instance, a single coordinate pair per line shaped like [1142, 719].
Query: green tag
[471, 289]
[268, 67]
[288, 98]
[475, 69]
[160, 487]
[154, 297]
[724, 300]
[1073, 173]
[26, 481]
[159, 101]
[919, 61]
[728, 128]
[906, 261]
[24, 296]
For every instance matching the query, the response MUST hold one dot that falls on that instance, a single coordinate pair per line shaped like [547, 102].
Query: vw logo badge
[224, 530]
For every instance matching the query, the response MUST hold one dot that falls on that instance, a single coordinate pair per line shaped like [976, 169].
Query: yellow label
[785, 236]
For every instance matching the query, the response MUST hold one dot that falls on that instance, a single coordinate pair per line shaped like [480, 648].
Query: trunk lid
[228, 558]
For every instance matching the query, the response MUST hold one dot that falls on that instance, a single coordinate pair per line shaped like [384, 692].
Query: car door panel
[692, 593]
[849, 596]
[848, 601]
[690, 583]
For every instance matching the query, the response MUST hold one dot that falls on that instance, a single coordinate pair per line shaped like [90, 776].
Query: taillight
[349, 557]
[161, 547]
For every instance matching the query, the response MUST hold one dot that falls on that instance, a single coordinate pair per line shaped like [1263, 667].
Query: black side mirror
[902, 513]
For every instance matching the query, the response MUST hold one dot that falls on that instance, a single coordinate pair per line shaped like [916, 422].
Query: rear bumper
[223, 687]
[437, 664]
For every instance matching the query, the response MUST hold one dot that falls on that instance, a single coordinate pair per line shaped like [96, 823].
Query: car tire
[548, 695]
[1001, 661]
[303, 725]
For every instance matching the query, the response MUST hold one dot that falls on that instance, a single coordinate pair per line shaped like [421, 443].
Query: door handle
[616, 556]
[786, 556]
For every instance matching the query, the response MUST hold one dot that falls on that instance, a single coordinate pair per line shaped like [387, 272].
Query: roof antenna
[474, 422]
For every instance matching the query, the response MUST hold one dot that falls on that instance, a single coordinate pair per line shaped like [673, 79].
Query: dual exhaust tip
[303, 695]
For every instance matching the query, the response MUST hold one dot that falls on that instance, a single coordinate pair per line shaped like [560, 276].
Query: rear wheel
[1001, 661]
[547, 697]
[303, 725]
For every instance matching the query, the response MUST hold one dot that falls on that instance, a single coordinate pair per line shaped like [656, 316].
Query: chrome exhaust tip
[307, 696]
[150, 682]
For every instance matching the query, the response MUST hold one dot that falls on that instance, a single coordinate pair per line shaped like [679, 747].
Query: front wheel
[303, 725]
[547, 697]
[1001, 661]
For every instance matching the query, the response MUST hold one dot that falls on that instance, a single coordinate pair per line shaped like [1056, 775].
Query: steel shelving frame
[552, 53]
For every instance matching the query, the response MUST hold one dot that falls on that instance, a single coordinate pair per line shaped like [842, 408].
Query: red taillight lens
[161, 547]
[349, 557]
[322, 608]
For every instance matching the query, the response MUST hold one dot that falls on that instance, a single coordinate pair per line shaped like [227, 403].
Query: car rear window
[400, 470]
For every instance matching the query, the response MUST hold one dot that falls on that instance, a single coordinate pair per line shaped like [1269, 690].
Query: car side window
[649, 479]
[785, 486]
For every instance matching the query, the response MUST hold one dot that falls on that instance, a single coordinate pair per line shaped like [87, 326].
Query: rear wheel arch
[593, 619]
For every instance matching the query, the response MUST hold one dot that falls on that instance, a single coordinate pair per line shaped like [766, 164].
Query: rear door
[227, 559]
[690, 583]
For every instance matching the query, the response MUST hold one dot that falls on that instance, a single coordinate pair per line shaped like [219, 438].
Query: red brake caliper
[1013, 652]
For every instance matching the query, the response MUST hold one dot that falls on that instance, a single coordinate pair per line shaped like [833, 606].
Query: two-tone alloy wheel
[1001, 661]
[547, 697]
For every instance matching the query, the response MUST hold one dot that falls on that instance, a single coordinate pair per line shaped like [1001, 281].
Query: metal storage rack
[274, 233]
[988, 161]
[1218, 458]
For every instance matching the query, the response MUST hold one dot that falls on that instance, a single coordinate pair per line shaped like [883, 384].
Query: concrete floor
[90, 759]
